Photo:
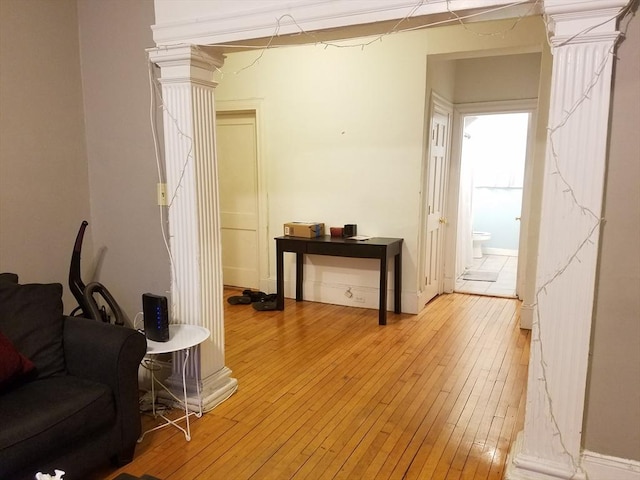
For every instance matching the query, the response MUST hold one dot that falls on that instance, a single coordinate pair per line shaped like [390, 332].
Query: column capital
[584, 21]
[187, 62]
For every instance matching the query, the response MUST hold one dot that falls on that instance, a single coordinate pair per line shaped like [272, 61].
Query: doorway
[493, 159]
[236, 148]
[436, 173]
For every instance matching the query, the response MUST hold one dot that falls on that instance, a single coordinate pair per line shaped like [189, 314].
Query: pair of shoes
[239, 300]
[254, 296]
[268, 302]
[247, 297]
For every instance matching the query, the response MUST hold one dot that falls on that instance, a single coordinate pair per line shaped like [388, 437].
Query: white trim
[605, 467]
[434, 103]
[256, 106]
[525, 467]
[216, 22]
[487, 108]
[526, 316]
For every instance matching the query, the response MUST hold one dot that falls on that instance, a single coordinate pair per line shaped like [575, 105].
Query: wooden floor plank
[327, 393]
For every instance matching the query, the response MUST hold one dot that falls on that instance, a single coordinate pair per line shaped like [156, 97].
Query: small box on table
[304, 229]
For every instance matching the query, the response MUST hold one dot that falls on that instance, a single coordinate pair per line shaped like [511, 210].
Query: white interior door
[236, 147]
[436, 192]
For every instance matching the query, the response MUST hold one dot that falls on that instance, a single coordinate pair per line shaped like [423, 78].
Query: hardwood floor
[327, 393]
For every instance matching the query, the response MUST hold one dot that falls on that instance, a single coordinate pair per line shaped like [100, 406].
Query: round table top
[181, 337]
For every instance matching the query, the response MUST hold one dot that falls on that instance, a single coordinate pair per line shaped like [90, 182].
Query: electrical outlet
[359, 299]
[162, 194]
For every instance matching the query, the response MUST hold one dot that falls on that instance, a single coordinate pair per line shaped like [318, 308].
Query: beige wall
[343, 130]
[441, 77]
[612, 420]
[122, 166]
[44, 193]
[489, 79]
[66, 68]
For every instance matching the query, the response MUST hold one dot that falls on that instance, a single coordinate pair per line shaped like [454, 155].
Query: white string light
[552, 130]
[164, 224]
[395, 29]
[502, 33]
[627, 12]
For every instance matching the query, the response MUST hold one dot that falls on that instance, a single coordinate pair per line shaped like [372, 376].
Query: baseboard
[348, 295]
[526, 316]
[604, 467]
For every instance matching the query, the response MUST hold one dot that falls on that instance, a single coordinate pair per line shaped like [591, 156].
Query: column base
[216, 388]
[520, 466]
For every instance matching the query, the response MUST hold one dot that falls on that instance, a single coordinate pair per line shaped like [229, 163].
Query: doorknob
[442, 221]
[518, 219]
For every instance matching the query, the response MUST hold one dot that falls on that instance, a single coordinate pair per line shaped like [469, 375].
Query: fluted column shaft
[193, 211]
[583, 44]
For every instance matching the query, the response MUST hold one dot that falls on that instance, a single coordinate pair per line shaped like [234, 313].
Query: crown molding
[586, 18]
[211, 22]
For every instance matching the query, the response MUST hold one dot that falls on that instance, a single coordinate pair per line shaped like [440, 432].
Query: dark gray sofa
[68, 386]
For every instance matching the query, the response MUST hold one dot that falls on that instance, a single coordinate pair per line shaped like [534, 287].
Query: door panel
[436, 181]
[238, 184]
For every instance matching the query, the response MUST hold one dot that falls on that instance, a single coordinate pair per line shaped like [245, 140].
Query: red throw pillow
[13, 364]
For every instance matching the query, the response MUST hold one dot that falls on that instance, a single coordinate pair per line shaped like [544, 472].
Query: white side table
[181, 337]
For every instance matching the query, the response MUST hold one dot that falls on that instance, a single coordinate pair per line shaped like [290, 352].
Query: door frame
[437, 103]
[487, 108]
[255, 107]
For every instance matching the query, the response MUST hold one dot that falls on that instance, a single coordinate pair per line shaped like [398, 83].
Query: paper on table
[358, 237]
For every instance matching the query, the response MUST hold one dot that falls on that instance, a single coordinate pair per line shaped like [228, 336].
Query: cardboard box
[304, 229]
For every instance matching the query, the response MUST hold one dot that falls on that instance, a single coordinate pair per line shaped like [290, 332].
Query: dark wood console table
[380, 248]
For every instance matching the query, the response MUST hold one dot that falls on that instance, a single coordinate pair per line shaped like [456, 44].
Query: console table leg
[382, 314]
[397, 284]
[299, 275]
[279, 277]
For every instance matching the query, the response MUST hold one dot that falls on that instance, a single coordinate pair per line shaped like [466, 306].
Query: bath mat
[480, 275]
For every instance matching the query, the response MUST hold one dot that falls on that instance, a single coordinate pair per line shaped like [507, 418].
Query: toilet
[478, 239]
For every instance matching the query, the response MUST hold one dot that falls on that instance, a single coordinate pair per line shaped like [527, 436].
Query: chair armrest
[111, 355]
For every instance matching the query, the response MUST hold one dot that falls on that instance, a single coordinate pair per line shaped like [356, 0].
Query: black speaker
[350, 230]
[156, 317]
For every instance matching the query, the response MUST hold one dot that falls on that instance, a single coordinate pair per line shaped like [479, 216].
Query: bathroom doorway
[493, 153]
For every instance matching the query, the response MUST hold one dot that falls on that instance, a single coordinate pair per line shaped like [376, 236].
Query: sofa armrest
[111, 355]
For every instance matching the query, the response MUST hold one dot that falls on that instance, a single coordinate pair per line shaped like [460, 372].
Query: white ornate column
[193, 212]
[583, 41]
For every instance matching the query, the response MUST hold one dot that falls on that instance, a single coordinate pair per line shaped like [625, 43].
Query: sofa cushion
[50, 414]
[13, 365]
[31, 317]
[8, 277]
